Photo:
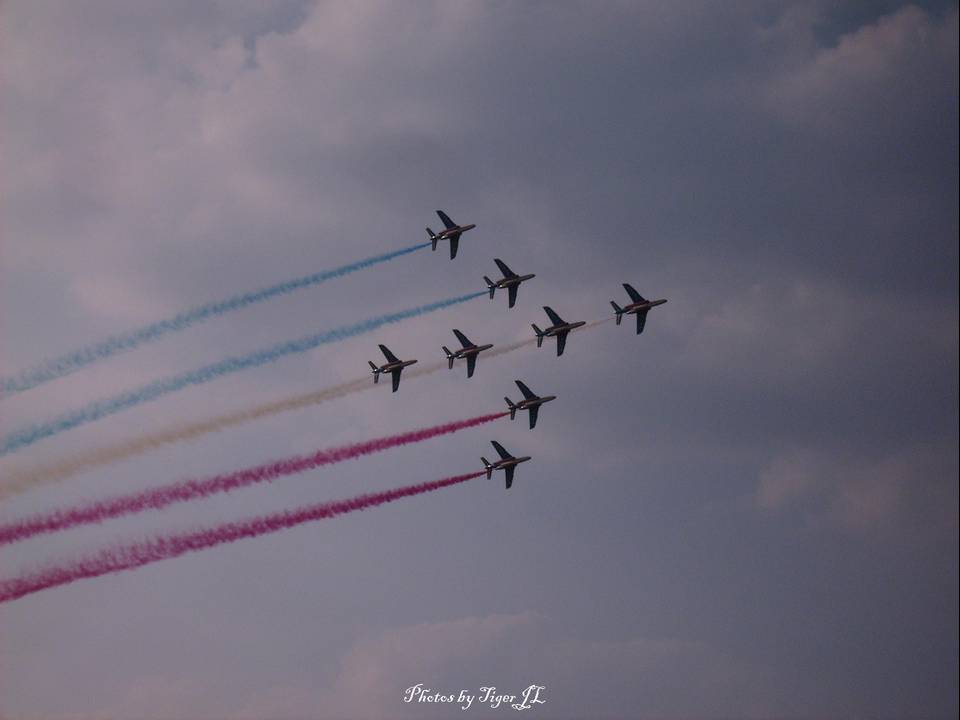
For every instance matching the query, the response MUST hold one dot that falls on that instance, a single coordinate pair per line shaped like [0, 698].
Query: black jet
[559, 330]
[451, 231]
[510, 280]
[638, 306]
[394, 366]
[468, 351]
[531, 402]
[507, 462]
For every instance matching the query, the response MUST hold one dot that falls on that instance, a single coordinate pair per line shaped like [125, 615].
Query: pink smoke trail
[129, 557]
[184, 490]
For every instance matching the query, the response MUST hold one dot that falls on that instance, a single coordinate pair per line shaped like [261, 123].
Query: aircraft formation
[469, 351]
[137, 554]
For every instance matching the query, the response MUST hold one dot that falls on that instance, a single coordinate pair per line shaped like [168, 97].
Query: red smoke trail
[136, 555]
[184, 490]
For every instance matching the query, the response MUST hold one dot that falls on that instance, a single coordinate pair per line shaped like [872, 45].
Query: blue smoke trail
[71, 362]
[19, 439]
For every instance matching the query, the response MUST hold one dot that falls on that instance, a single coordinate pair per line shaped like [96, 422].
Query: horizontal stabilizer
[539, 333]
[618, 310]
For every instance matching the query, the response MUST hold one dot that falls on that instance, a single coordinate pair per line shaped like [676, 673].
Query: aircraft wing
[471, 365]
[462, 338]
[500, 450]
[507, 272]
[641, 321]
[527, 392]
[454, 244]
[554, 318]
[634, 295]
[512, 295]
[561, 341]
[533, 416]
[509, 473]
[396, 378]
[391, 358]
[445, 219]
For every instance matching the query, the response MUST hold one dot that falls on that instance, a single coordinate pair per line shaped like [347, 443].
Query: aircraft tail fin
[375, 370]
[433, 239]
[450, 357]
[513, 408]
[488, 467]
[618, 310]
[539, 333]
[490, 286]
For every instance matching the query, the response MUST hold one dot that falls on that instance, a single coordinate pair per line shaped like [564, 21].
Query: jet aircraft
[507, 462]
[510, 280]
[559, 330]
[451, 231]
[531, 402]
[638, 306]
[468, 351]
[394, 366]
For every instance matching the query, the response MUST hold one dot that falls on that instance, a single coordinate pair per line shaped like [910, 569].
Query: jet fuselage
[390, 367]
[509, 462]
[468, 351]
[565, 327]
[634, 308]
[507, 282]
[534, 402]
[447, 232]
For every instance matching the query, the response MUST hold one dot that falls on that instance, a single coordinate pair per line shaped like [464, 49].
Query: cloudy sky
[750, 510]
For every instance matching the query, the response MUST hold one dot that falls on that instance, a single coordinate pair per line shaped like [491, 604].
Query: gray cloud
[748, 510]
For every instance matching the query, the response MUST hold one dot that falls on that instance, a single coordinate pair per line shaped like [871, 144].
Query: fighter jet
[507, 462]
[510, 280]
[468, 351]
[530, 402]
[559, 329]
[394, 366]
[451, 232]
[638, 306]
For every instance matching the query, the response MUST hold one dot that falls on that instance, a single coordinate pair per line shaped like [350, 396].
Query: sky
[750, 510]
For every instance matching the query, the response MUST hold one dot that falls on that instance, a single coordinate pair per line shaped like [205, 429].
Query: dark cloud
[748, 510]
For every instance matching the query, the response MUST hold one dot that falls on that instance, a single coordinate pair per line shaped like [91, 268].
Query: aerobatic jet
[510, 280]
[531, 402]
[451, 231]
[394, 366]
[468, 351]
[638, 306]
[507, 462]
[559, 330]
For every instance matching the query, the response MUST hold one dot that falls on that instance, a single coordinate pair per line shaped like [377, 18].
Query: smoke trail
[137, 555]
[19, 439]
[17, 480]
[185, 490]
[73, 361]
